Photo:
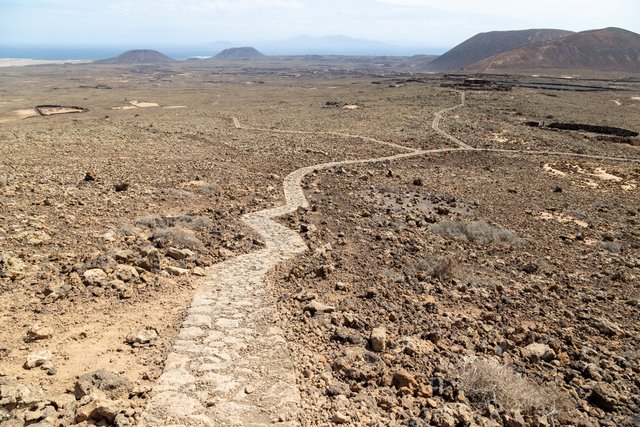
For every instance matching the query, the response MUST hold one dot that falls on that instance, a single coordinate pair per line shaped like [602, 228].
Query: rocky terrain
[457, 288]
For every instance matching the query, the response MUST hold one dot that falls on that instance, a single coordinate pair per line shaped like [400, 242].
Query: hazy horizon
[183, 28]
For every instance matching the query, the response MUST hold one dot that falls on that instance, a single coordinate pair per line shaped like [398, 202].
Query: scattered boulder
[144, 337]
[378, 339]
[95, 277]
[606, 327]
[11, 267]
[404, 379]
[317, 307]
[604, 397]
[100, 408]
[126, 273]
[340, 418]
[538, 351]
[54, 292]
[14, 395]
[64, 401]
[38, 332]
[199, 271]
[177, 271]
[180, 254]
[114, 386]
[37, 359]
[123, 255]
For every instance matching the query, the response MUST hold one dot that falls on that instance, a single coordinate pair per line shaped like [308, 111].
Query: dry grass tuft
[613, 247]
[4, 181]
[485, 382]
[477, 231]
[178, 237]
[176, 231]
[439, 267]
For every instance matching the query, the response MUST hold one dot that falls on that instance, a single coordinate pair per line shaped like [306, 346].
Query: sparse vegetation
[178, 237]
[613, 247]
[477, 231]
[177, 231]
[210, 188]
[153, 222]
[486, 382]
[439, 267]
[176, 193]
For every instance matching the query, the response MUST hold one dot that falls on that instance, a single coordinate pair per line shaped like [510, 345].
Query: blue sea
[185, 51]
[100, 52]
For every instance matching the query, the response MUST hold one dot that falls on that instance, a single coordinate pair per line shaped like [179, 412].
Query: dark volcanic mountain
[609, 49]
[140, 56]
[240, 53]
[485, 45]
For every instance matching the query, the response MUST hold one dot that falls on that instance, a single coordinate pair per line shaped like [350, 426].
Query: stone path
[230, 365]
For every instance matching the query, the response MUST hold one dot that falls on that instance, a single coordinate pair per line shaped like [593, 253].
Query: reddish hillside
[609, 49]
[485, 45]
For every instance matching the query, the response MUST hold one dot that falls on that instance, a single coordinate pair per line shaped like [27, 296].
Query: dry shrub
[150, 221]
[176, 231]
[210, 188]
[153, 222]
[175, 193]
[613, 247]
[485, 382]
[477, 231]
[192, 221]
[178, 237]
[439, 267]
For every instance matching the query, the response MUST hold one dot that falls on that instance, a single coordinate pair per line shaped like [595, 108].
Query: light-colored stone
[126, 273]
[95, 277]
[177, 271]
[38, 332]
[340, 418]
[180, 254]
[538, 351]
[378, 339]
[199, 271]
[37, 359]
[318, 307]
[100, 409]
[146, 336]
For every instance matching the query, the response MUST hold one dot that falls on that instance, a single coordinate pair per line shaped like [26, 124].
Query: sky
[419, 24]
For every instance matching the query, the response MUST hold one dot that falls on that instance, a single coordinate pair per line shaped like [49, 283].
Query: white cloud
[201, 6]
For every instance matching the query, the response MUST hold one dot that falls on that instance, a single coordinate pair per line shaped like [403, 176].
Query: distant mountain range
[138, 56]
[608, 49]
[328, 45]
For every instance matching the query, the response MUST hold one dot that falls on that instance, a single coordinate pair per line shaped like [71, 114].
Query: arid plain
[489, 276]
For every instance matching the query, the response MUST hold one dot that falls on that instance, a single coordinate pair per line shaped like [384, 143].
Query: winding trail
[230, 364]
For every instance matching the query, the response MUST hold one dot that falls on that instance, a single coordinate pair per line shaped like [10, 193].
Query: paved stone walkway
[229, 365]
